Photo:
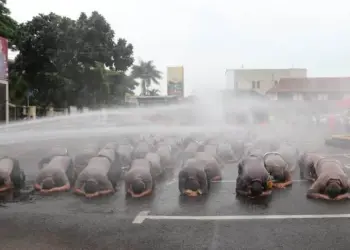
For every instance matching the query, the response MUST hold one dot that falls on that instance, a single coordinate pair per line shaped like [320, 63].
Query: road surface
[220, 221]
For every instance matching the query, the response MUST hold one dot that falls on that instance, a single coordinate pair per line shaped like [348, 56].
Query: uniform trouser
[17, 176]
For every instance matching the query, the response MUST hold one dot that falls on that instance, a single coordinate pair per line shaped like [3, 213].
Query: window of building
[258, 84]
[253, 84]
[297, 97]
[322, 97]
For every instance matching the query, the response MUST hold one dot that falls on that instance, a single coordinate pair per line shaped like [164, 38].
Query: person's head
[333, 189]
[138, 186]
[192, 184]
[48, 183]
[256, 188]
[279, 176]
[91, 186]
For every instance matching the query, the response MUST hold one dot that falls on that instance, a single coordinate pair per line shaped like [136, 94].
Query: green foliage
[64, 62]
[8, 26]
[147, 73]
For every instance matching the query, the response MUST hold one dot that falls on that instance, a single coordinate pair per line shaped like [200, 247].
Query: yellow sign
[175, 81]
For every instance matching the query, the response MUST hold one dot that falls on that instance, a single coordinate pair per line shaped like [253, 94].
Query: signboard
[175, 81]
[3, 58]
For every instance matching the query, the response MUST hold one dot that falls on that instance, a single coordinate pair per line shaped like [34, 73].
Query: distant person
[56, 176]
[193, 180]
[306, 163]
[331, 182]
[12, 177]
[253, 179]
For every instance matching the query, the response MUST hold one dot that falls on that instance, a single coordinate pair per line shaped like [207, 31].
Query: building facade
[260, 80]
[311, 89]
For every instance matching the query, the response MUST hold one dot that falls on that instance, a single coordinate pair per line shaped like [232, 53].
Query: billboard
[175, 81]
[3, 59]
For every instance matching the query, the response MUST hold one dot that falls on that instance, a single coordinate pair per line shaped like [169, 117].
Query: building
[156, 100]
[175, 81]
[260, 80]
[311, 89]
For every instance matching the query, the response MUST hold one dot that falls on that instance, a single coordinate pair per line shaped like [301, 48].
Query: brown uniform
[250, 169]
[139, 173]
[276, 166]
[156, 168]
[164, 152]
[141, 150]
[210, 164]
[327, 169]
[97, 169]
[81, 160]
[194, 170]
[125, 153]
[57, 151]
[307, 162]
[60, 168]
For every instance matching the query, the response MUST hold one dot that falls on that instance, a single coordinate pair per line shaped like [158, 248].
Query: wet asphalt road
[69, 222]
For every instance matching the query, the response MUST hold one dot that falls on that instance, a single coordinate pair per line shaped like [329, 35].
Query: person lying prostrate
[211, 165]
[12, 177]
[277, 167]
[139, 182]
[56, 151]
[81, 160]
[253, 179]
[307, 162]
[141, 149]
[332, 183]
[93, 180]
[56, 176]
[156, 168]
[193, 180]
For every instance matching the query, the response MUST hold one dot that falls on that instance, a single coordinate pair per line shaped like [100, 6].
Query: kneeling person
[56, 176]
[193, 180]
[253, 179]
[93, 180]
[138, 180]
[12, 177]
[277, 167]
[332, 181]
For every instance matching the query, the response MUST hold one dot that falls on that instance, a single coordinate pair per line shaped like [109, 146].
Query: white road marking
[144, 215]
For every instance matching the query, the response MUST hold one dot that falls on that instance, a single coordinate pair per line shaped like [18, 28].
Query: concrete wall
[260, 80]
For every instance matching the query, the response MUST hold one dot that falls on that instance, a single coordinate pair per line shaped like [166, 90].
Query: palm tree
[153, 92]
[148, 73]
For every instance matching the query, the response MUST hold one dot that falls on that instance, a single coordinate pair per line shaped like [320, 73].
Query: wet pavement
[166, 221]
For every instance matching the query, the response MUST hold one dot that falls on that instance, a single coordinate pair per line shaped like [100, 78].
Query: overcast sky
[207, 37]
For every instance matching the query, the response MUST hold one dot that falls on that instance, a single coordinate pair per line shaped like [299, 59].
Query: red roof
[314, 84]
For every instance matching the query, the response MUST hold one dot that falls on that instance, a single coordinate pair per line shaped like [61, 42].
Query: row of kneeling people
[93, 172]
[259, 174]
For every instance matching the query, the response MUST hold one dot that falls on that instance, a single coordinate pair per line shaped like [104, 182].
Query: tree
[7, 24]
[153, 92]
[147, 72]
[72, 62]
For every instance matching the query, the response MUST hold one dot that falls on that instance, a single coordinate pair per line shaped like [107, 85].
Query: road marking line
[144, 215]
